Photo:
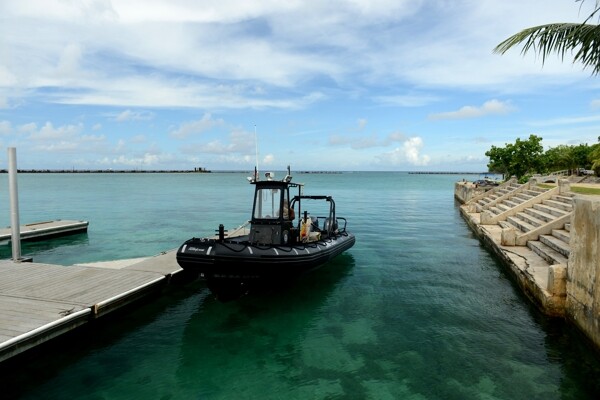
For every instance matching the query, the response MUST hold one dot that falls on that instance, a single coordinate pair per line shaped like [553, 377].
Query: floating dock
[41, 301]
[45, 230]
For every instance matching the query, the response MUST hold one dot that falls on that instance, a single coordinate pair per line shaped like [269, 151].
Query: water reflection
[256, 341]
[32, 248]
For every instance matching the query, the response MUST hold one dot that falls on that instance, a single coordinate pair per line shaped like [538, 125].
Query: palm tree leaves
[583, 40]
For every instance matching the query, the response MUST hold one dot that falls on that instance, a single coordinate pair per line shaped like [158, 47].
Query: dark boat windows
[267, 203]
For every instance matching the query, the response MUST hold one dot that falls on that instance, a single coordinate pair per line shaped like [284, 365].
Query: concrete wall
[583, 273]
[465, 191]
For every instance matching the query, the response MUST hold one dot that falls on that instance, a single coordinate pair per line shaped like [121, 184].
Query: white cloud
[406, 100]
[146, 160]
[57, 147]
[269, 159]
[29, 128]
[91, 52]
[129, 115]
[395, 137]
[69, 138]
[5, 128]
[332, 59]
[121, 146]
[138, 139]
[491, 107]
[69, 61]
[412, 148]
[408, 153]
[7, 78]
[196, 127]
[239, 142]
[49, 132]
[364, 142]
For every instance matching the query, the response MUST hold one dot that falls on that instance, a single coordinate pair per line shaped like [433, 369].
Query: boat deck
[41, 301]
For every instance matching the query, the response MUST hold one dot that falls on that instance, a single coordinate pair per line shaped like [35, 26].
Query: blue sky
[327, 85]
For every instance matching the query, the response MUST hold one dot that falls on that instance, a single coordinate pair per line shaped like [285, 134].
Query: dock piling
[14, 204]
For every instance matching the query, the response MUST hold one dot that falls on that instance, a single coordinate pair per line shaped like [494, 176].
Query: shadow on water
[32, 248]
[579, 360]
[226, 292]
[259, 333]
[565, 346]
[184, 327]
[84, 349]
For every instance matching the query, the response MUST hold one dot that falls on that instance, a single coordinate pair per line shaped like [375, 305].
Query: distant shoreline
[451, 173]
[204, 171]
[104, 171]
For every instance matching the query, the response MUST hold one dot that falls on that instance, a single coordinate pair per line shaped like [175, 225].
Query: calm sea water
[417, 309]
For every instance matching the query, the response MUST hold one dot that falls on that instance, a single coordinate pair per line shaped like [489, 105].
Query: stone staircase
[494, 197]
[553, 248]
[529, 216]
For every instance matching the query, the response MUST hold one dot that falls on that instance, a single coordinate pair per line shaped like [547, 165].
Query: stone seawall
[465, 191]
[566, 286]
[583, 272]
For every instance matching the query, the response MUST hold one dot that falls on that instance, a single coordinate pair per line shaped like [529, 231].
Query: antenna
[256, 144]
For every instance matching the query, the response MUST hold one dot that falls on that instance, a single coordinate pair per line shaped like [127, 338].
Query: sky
[357, 85]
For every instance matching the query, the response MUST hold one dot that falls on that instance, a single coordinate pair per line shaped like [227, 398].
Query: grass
[575, 189]
[585, 190]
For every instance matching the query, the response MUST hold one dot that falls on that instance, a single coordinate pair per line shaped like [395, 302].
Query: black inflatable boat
[272, 245]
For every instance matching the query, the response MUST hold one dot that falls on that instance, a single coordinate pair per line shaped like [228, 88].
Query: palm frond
[583, 40]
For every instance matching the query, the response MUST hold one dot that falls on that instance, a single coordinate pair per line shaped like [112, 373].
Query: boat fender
[286, 237]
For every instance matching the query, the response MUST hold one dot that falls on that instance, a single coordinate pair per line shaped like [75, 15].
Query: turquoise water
[417, 309]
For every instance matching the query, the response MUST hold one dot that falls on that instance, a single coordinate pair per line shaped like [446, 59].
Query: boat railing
[342, 230]
[241, 230]
[336, 225]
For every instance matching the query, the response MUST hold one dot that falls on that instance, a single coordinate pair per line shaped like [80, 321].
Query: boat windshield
[268, 204]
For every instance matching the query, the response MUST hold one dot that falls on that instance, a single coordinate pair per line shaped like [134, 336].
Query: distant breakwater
[203, 170]
[449, 173]
[105, 171]
[138, 171]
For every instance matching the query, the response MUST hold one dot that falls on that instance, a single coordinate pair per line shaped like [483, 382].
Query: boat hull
[241, 261]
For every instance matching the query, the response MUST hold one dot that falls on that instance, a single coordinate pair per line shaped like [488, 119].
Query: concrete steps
[520, 224]
[562, 234]
[547, 253]
[556, 244]
[542, 216]
[559, 205]
[554, 248]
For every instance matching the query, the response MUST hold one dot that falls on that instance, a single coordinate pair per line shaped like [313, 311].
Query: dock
[39, 301]
[45, 229]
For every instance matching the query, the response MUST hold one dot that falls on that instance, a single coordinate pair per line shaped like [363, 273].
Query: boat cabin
[274, 213]
[272, 216]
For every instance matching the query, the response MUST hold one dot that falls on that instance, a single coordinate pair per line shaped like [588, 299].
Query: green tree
[581, 155]
[499, 159]
[580, 39]
[594, 158]
[522, 158]
[555, 159]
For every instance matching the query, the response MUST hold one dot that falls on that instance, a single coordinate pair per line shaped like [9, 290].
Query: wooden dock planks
[41, 301]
